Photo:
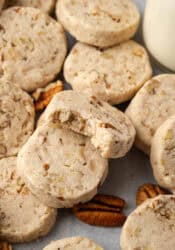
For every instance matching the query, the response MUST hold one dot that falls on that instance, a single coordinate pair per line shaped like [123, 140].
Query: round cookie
[151, 106]
[151, 225]
[163, 154]
[102, 23]
[113, 75]
[45, 5]
[17, 117]
[23, 217]
[61, 167]
[74, 243]
[110, 130]
[33, 47]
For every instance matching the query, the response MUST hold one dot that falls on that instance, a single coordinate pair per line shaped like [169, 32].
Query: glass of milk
[159, 31]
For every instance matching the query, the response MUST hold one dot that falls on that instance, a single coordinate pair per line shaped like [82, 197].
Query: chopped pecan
[110, 200]
[5, 246]
[106, 125]
[148, 191]
[102, 210]
[138, 52]
[43, 96]
[24, 191]
[46, 166]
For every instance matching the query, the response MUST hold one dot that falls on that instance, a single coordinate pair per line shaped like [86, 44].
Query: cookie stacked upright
[23, 217]
[33, 48]
[152, 114]
[65, 161]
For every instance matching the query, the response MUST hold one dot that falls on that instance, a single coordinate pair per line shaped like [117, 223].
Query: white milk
[159, 31]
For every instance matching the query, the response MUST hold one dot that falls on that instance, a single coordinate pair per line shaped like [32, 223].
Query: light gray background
[125, 176]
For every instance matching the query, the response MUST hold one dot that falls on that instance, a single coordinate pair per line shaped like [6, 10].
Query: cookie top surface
[163, 154]
[44, 5]
[113, 75]
[61, 167]
[74, 243]
[110, 130]
[102, 14]
[151, 225]
[23, 217]
[16, 118]
[33, 47]
[93, 20]
[151, 106]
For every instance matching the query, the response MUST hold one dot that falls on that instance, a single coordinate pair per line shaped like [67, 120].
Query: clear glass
[159, 31]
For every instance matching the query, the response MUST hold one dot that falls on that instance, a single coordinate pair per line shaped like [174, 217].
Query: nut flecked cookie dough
[102, 23]
[61, 167]
[44, 5]
[113, 75]
[110, 130]
[33, 47]
[23, 217]
[151, 106]
[163, 154]
[151, 225]
[74, 243]
[17, 117]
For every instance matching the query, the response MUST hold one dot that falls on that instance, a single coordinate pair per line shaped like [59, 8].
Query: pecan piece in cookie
[5, 246]
[42, 96]
[147, 191]
[102, 210]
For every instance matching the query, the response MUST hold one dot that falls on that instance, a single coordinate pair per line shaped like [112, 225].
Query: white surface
[125, 176]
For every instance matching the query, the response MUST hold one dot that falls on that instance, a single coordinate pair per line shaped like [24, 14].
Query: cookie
[151, 106]
[100, 23]
[17, 117]
[74, 243]
[163, 154]
[110, 131]
[23, 217]
[151, 225]
[113, 75]
[44, 5]
[61, 167]
[33, 47]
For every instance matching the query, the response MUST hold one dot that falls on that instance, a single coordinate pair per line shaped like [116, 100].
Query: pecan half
[42, 96]
[102, 210]
[147, 191]
[5, 246]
